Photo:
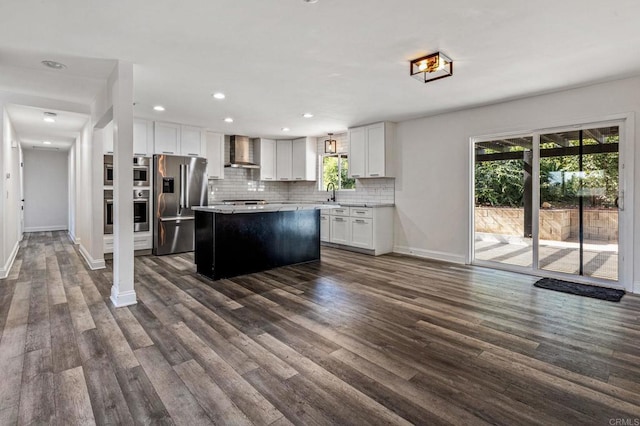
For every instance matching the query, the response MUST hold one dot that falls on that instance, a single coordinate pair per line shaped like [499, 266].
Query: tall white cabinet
[304, 157]
[264, 153]
[284, 158]
[214, 145]
[371, 150]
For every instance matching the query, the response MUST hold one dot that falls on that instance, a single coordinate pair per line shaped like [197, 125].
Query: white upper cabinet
[214, 143]
[166, 138]
[284, 157]
[376, 150]
[142, 137]
[191, 141]
[304, 159]
[370, 150]
[357, 152]
[107, 139]
[264, 153]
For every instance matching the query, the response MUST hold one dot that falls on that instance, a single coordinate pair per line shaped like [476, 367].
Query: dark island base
[228, 245]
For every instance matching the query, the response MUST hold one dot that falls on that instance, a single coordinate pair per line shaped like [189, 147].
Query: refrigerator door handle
[182, 184]
[176, 218]
[186, 185]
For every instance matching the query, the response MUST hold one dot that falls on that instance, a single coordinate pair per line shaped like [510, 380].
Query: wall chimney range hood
[239, 154]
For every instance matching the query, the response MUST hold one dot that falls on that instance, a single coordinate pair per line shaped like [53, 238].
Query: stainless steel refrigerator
[179, 184]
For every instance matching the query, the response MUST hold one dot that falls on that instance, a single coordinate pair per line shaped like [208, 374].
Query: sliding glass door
[578, 218]
[548, 202]
[503, 189]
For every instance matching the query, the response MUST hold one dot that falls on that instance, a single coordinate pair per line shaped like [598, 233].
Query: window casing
[334, 169]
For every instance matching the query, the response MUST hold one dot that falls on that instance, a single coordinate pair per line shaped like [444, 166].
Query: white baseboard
[4, 271]
[91, 262]
[75, 240]
[430, 254]
[126, 298]
[46, 228]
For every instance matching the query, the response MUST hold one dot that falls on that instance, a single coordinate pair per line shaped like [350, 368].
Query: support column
[122, 291]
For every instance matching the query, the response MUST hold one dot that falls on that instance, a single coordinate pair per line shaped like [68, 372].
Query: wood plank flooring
[349, 340]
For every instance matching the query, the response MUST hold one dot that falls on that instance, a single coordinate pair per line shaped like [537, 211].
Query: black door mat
[603, 293]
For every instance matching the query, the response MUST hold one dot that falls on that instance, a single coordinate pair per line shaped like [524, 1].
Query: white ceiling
[32, 130]
[344, 61]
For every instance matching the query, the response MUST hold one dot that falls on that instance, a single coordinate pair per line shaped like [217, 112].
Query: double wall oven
[141, 197]
[141, 171]
[141, 207]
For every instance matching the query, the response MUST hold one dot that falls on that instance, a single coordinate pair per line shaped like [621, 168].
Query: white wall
[9, 206]
[433, 161]
[46, 190]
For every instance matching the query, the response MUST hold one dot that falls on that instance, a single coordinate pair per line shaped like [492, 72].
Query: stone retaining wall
[555, 224]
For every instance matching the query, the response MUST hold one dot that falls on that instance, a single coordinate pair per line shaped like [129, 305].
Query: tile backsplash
[241, 184]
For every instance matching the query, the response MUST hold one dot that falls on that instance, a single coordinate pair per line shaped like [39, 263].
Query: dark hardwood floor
[350, 340]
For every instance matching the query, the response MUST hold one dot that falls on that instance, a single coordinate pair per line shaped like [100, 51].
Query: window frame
[339, 155]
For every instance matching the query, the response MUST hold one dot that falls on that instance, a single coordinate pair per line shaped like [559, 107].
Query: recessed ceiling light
[46, 142]
[54, 65]
[159, 108]
[285, 129]
[310, 1]
[307, 115]
[50, 117]
[219, 95]
[228, 120]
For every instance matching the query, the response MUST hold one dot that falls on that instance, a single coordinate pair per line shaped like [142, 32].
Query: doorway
[549, 203]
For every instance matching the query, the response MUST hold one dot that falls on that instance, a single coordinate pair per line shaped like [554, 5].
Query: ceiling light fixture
[310, 1]
[285, 129]
[431, 67]
[158, 108]
[307, 115]
[50, 117]
[330, 145]
[54, 65]
[219, 95]
[228, 120]
[46, 142]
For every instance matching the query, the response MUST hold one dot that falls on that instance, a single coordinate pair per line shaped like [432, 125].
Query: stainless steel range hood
[239, 154]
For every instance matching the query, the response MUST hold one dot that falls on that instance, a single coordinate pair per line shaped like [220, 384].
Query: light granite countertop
[348, 203]
[273, 207]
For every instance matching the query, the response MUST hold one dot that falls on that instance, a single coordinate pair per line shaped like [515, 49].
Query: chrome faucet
[333, 186]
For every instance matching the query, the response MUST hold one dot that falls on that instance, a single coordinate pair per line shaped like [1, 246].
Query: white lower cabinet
[141, 241]
[340, 230]
[361, 232]
[366, 228]
[325, 227]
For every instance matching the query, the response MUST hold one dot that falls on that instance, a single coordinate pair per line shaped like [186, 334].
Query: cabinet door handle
[191, 153]
[167, 152]
[139, 154]
[360, 221]
[374, 174]
[214, 177]
[338, 219]
[360, 212]
[298, 178]
[355, 175]
[284, 178]
[268, 178]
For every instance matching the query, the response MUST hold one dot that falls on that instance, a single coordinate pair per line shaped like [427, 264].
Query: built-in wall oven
[141, 171]
[141, 206]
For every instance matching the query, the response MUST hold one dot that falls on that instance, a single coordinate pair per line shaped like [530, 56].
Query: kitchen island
[238, 240]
